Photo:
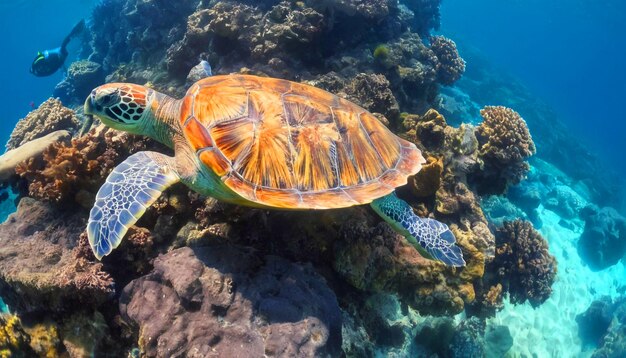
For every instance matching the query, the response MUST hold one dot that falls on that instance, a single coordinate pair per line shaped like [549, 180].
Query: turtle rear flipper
[431, 238]
[128, 191]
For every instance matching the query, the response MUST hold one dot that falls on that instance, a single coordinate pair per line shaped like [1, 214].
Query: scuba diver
[49, 61]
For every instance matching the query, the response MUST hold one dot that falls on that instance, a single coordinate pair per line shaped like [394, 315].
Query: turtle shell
[283, 144]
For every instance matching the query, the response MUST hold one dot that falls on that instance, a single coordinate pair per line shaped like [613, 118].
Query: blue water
[572, 53]
[30, 26]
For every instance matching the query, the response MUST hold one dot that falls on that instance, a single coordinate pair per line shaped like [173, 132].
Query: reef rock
[613, 343]
[603, 243]
[374, 258]
[51, 116]
[594, 322]
[39, 270]
[82, 77]
[221, 301]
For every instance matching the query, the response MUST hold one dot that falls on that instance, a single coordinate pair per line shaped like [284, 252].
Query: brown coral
[373, 92]
[523, 263]
[450, 66]
[428, 180]
[428, 130]
[75, 171]
[504, 145]
[377, 259]
[51, 116]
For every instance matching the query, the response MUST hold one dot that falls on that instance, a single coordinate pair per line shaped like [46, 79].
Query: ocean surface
[551, 60]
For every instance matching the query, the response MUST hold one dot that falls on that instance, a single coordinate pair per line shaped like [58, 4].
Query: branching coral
[523, 264]
[450, 66]
[373, 92]
[75, 171]
[49, 117]
[504, 145]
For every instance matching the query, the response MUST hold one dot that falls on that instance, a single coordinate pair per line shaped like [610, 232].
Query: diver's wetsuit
[49, 61]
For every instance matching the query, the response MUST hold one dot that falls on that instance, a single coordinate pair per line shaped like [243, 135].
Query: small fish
[49, 61]
[32, 104]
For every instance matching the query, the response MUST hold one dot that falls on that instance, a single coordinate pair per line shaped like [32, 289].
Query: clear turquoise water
[571, 53]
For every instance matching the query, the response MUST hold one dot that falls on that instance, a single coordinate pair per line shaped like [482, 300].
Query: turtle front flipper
[128, 191]
[431, 238]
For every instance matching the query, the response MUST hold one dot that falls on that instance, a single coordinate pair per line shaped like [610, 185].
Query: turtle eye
[109, 99]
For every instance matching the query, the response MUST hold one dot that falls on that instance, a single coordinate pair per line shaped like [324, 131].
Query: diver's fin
[431, 238]
[128, 191]
[75, 32]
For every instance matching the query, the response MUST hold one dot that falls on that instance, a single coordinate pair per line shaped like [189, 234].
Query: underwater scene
[315, 178]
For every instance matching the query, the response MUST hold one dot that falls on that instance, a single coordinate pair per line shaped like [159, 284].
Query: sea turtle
[261, 142]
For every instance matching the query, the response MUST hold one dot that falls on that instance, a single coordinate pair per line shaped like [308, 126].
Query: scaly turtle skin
[260, 142]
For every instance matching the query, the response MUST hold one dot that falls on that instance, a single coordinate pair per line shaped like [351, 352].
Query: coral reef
[499, 209]
[12, 158]
[427, 181]
[77, 336]
[523, 264]
[274, 38]
[51, 116]
[14, 341]
[373, 92]
[426, 14]
[228, 292]
[603, 325]
[219, 300]
[450, 66]
[75, 171]
[82, 77]
[603, 243]
[504, 145]
[614, 342]
[527, 196]
[376, 258]
[287, 39]
[564, 201]
[468, 340]
[594, 322]
[498, 341]
[39, 271]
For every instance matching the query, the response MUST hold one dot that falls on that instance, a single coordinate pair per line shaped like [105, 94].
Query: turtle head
[122, 106]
